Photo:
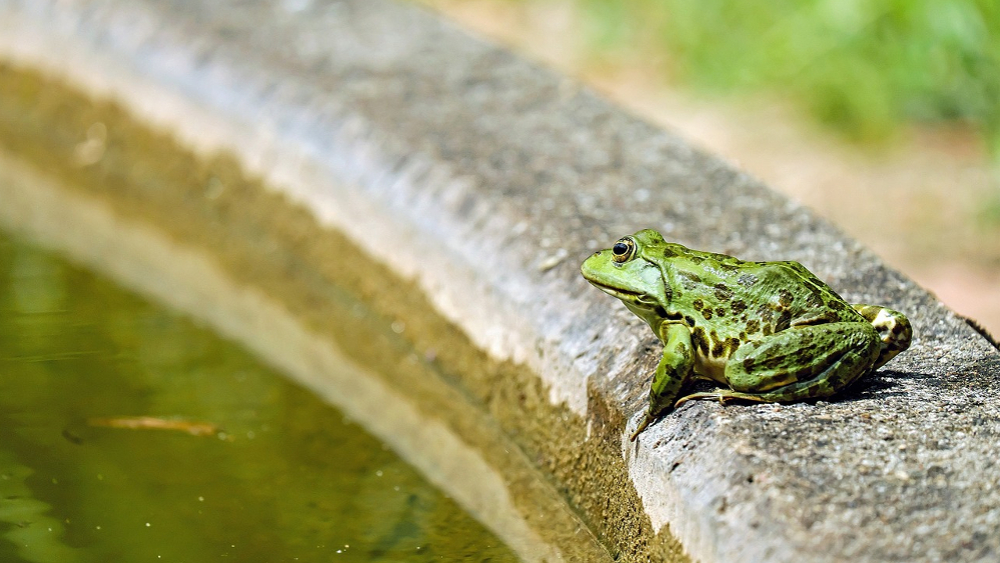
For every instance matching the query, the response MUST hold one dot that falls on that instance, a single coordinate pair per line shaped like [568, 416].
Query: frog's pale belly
[713, 369]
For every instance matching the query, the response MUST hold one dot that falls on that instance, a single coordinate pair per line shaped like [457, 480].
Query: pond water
[130, 433]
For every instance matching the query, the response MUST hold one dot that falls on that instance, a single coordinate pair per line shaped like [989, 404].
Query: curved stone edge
[486, 180]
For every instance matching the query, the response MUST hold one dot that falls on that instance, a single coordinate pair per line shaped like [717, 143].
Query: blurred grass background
[863, 67]
[882, 115]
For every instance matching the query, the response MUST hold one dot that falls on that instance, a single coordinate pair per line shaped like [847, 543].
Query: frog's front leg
[674, 370]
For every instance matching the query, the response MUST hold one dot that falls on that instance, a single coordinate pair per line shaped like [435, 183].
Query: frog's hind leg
[811, 389]
[839, 375]
[797, 363]
[893, 330]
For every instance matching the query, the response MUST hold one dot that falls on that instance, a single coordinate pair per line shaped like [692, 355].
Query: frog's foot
[722, 395]
[893, 330]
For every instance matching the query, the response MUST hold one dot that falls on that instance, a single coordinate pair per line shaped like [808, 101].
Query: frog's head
[630, 270]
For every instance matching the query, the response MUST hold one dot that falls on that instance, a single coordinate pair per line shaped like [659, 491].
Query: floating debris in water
[154, 423]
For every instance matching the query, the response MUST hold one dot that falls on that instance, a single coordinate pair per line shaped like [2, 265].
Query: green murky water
[285, 478]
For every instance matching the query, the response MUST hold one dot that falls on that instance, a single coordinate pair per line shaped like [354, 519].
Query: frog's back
[745, 299]
[788, 294]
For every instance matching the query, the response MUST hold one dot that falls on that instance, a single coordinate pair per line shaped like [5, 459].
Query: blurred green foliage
[863, 66]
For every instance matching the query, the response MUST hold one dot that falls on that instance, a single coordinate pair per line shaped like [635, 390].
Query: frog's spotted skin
[770, 331]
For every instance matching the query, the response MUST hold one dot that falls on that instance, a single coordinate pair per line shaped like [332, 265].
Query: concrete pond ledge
[485, 181]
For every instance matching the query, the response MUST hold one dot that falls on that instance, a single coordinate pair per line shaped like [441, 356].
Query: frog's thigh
[837, 353]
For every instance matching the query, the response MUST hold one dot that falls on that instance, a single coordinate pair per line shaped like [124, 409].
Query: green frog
[768, 331]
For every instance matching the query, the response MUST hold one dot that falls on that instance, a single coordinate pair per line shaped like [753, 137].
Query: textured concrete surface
[487, 180]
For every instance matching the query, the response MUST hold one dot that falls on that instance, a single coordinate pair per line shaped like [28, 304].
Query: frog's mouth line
[623, 294]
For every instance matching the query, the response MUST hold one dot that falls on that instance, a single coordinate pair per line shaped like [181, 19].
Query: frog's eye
[623, 250]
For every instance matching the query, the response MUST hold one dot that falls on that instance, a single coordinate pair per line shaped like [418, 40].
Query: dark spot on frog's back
[697, 259]
[723, 293]
[698, 304]
[814, 299]
[785, 297]
[689, 320]
[753, 326]
[720, 312]
[727, 266]
[738, 306]
[718, 347]
[784, 321]
[699, 340]
[719, 350]
[707, 313]
[690, 275]
[669, 252]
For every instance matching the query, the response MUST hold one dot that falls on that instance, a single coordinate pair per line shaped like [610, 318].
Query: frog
[767, 332]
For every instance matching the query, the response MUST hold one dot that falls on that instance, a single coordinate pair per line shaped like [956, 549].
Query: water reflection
[285, 477]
